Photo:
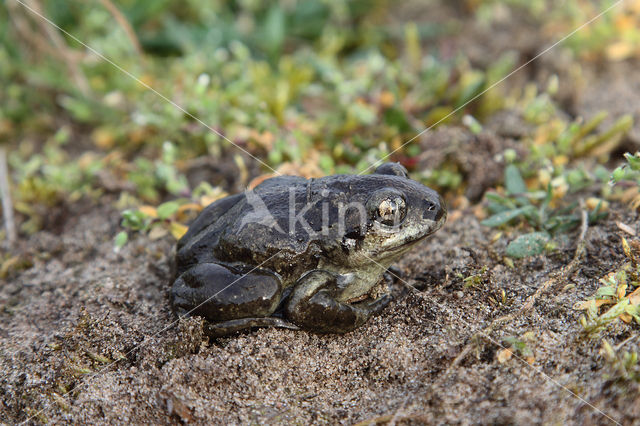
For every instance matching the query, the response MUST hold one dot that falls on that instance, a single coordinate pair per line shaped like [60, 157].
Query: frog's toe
[181, 308]
[376, 306]
[178, 293]
[313, 305]
[245, 324]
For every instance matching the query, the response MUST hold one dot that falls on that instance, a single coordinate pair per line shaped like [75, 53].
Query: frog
[302, 253]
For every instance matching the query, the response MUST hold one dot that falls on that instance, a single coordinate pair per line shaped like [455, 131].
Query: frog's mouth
[407, 243]
[393, 252]
[358, 299]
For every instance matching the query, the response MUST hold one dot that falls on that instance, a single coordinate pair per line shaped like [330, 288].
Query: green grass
[324, 87]
[617, 298]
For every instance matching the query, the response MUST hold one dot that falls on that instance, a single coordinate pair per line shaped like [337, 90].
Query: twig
[7, 205]
[458, 359]
[625, 341]
[25, 32]
[563, 274]
[56, 45]
[56, 39]
[126, 26]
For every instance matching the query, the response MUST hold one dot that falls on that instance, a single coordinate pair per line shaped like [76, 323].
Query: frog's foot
[227, 327]
[313, 304]
[222, 293]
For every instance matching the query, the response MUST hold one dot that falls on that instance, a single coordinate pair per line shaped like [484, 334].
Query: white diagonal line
[147, 86]
[494, 85]
[262, 162]
[538, 370]
[147, 338]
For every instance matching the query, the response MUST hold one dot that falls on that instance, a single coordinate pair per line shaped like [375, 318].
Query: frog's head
[400, 212]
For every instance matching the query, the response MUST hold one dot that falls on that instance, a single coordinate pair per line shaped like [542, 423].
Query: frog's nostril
[429, 210]
[434, 210]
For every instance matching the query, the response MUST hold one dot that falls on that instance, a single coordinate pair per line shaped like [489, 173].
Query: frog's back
[256, 230]
[285, 224]
[288, 214]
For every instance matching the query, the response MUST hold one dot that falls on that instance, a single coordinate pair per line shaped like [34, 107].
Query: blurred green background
[308, 87]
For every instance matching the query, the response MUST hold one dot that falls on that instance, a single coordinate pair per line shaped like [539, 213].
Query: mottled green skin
[239, 267]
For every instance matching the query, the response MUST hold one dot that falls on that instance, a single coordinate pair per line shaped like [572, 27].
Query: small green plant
[151, 178]
[518, 345]
[535, 208]
[168, 218]
[576, 139]
[629, 171]
[49, 179]
[626, 179]
[619, 288]
[624, 366]
[474, 280]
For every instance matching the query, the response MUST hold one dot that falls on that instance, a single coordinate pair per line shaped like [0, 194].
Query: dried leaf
[626, 248]
[386, 98]
[149, 211]
[581, 306]
[593, 203]
[626, 318]
[183, 209]
[619, 51]
[504, 355]
[205, 200]
[634, 297]
[157, 232]
[622, 290]
[178, 230]
[626, 228]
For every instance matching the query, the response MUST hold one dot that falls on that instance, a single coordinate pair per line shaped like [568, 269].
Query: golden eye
[391, 211]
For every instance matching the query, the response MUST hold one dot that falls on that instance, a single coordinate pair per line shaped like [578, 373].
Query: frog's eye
[391, 211]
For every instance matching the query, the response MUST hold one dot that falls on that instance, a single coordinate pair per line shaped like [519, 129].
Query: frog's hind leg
[227, 327]
[225, 294]
[313, 305]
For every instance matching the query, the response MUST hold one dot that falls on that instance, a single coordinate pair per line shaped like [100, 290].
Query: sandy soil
[86, 334]
[81, 307]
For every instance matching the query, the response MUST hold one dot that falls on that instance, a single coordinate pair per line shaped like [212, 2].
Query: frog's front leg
[230, 298]
[313, 304]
